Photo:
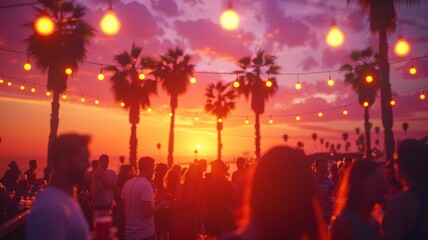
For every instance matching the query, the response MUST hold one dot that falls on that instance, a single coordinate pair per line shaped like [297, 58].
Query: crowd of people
[284, 195]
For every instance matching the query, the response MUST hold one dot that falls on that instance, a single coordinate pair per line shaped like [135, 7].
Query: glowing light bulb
[330, 82]
[44, 26]
[268, 83]
[422, 96]
[97, 102]
[82, 99]
[9, 84]
[22, 87]
[320, 114]
[122, 104]
[335, 37]
[150, 110]
[247, 121]
[369, 79]
[402, 47]
[298, 86]
[48, 93]
[64, 96]
[68, 71]
[365, 104]
[33, 90]
[141, 76]
[270, 121]
[170, 114]
[298, 118]
[196, 117]
[27, 66]
[345, 112]
[109, 24]
[236, 84]
[392, 102]
[192, 80]
[220, 120]
[229, 19]
[100, 76]
[412, 70]
[1, 81]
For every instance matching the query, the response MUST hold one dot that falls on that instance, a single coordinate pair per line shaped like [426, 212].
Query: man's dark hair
[66, 147]
[145, 162]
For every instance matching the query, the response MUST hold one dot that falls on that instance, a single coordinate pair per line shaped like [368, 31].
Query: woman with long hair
[363, 185]
[283, 201]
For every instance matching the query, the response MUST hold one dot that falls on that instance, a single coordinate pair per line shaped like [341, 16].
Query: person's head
[70, 156]
[321, 167]
[203, 164]
[177, 169]
[413, 161]
[95, 164]
[146, 167]
[33, 164]
[122, 159]
[13, 165]
[160, 171]
[126, 171]
[362, 183]
[240, 163]
[104, 160]
[193, 173]
[283, 198]
[218, 168]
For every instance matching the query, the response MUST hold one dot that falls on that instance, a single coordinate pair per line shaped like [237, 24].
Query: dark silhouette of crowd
[284, 195]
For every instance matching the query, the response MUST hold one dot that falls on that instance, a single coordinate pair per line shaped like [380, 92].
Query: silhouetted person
[103, 182]
[55, 214]
[239, 177]
[31, 173]
[162, 223]
[186, 224]
[391, 182]
[326, 186]
[406, 215]
[137, 196]
[126, 172]
[95, 164]
[10, 177]
[283, 200]
[362, 186]
[219, 200]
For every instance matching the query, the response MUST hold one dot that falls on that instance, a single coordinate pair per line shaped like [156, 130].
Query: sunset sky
[292, 30]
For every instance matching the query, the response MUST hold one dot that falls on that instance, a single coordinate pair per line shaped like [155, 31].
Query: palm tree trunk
[133, 146]
[257, 138]
[219, 144]
[54, 122]
[171, 139]
[367, 129]
[385, 93]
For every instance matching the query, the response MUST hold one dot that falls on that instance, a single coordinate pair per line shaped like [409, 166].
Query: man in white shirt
[55, 214]
[139, 208]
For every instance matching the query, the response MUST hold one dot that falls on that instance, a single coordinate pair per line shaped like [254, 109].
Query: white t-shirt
[134, 192]
[56, 215]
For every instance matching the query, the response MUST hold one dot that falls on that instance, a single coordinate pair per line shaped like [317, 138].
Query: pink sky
[294, 31]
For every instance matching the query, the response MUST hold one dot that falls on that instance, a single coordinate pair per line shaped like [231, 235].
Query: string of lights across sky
[22, 85]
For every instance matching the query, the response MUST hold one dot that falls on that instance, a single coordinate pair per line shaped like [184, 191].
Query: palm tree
[365, 63]
[300, 145]
[174, 71]
[219, 103]
[405, 126]
[314, 137]
[382, 18]
[345, 137]
[65, 47]
[357, 131]
[321, 141]
[285, 137]
[252, 84]
[130, 90]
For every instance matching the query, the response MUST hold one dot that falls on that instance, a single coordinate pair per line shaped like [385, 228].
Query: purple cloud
[308, 63]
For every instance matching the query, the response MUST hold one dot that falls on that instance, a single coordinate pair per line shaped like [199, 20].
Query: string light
[27, 65]
[68, 71]
[220, 120]
[22, 87]
[122, 104]
[141, 76]
[246, 120]
[365, 104]
[48, 93]
[64, 96]
[422, 96]
[229, 20]
[268, 83]
[236, 83]
[412, 69]
[192, 80]
[270, 119]
[196, 117]
[101, 75]
[392, 102]
[97, 102]
[109, 24]
[33, 90]
[369, 79]
[82, 99]
[9, 84]
[335, 37]
[150, 110]
[320, 114]
[330, 81]
[170, 114]
[298, 118]
[44, 26]
[298, 85]
[402, 47]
